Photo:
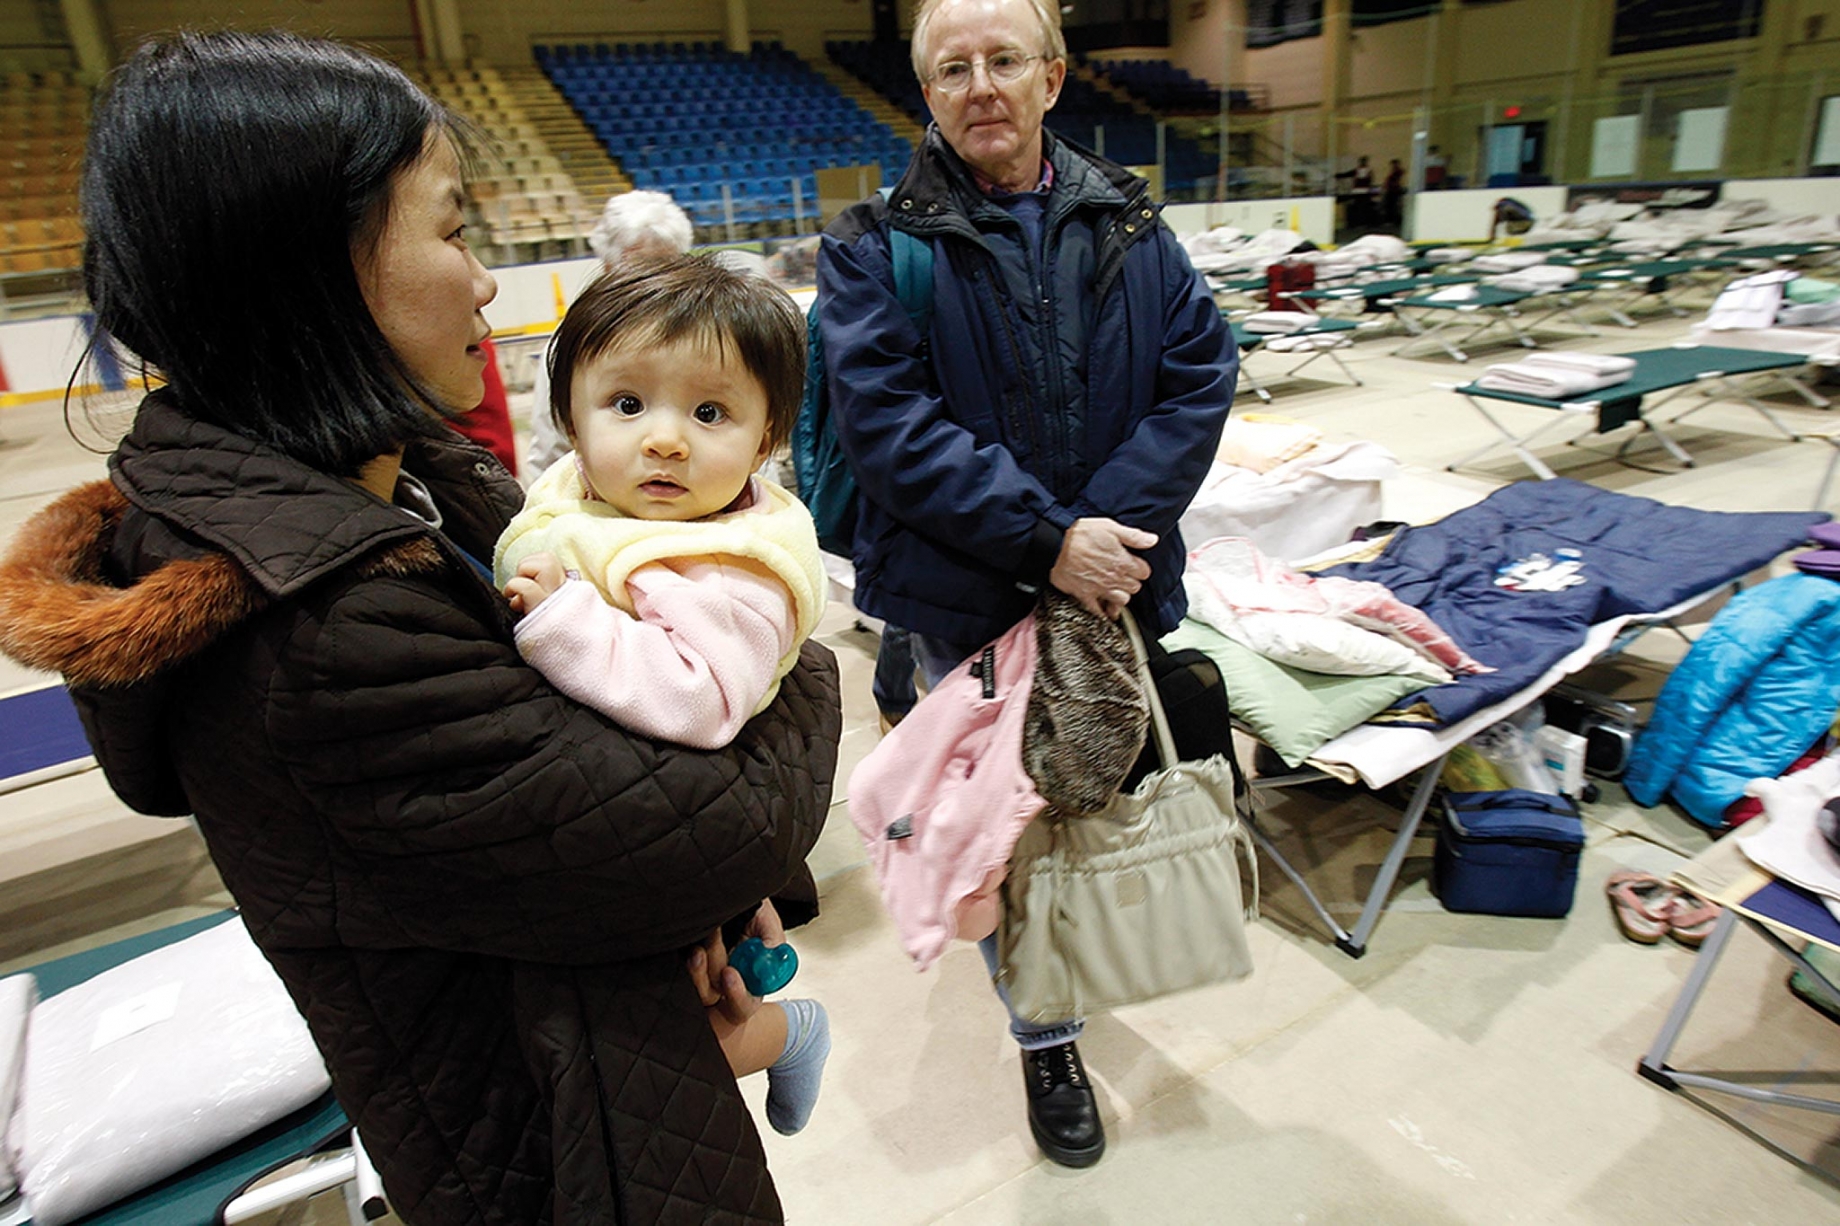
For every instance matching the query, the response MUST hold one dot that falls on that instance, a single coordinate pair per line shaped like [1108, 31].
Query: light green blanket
[1293, 711]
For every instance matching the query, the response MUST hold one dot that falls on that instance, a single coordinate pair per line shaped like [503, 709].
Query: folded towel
[1279, 322]
[1589, 363]
[1546, 382]
[1453, 293]
[1508, 261]
[1300, 344]
[1539, 279]
[1808, 314]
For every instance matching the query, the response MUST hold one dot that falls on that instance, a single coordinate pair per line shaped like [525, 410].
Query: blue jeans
[936, 658]
[893, 686]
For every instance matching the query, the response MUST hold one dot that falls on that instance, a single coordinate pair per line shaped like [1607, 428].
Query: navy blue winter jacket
[1089, 377]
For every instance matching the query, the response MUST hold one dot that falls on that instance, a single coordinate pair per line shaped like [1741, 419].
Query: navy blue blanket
[1520, 577]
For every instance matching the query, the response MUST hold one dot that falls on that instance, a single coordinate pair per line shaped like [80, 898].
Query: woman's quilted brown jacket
[475, 890]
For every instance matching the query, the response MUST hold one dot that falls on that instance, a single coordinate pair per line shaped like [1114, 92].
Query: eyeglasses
[1003, 68]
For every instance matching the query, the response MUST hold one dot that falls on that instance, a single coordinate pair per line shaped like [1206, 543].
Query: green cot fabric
[1293, 711]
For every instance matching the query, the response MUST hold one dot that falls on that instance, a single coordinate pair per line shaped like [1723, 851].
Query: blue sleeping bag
[1519, 578]
[1756, 690]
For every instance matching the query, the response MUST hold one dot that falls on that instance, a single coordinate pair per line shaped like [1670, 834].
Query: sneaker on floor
[1063, 1110]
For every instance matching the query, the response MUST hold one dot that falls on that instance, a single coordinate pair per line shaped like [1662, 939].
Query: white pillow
[155, 1064]
[1326, 645]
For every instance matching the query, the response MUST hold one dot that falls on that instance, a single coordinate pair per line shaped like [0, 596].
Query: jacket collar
[938, 191]
[285, 523]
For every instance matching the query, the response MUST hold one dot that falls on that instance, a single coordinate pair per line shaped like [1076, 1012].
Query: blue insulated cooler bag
[1508, 853]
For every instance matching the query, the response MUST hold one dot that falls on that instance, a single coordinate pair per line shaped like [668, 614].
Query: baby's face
[668, 430]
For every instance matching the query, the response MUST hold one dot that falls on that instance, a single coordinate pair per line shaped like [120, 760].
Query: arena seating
[688, 119]
[43, 117]
[523, 194]
[1168, 89]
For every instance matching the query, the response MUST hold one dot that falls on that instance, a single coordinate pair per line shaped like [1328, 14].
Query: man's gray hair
[1053, 45]
[640, 219]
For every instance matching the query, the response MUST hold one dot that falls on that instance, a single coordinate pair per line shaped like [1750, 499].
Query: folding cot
[1788, 918]
[1674, 370]
[1784, 253]
[40, 738]
[1635, 565]
[1338, 330]
[1664, 279]
[1487, 308]
[1373, 296]
[217, 1189]
[1379, 755]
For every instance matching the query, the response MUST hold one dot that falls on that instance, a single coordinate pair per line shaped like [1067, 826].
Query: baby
[660, 580]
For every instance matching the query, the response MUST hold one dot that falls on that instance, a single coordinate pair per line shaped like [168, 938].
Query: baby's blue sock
[793, 1079]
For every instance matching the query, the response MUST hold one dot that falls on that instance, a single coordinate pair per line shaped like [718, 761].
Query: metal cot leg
[1395, 858]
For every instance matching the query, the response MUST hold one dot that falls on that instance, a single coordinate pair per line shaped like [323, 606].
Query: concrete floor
[1468, 1070]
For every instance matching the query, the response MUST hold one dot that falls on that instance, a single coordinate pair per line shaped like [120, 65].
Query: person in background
[275, 617]
[1511, 217]
[1393, 193]
[1361, 194]
[634, 228]
[1055, 421]
[1436, 167]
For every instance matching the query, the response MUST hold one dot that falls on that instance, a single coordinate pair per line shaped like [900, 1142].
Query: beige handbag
[1136, 901]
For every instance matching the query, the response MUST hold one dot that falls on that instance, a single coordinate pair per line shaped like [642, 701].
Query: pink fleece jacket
[691, 667]
[942, 800]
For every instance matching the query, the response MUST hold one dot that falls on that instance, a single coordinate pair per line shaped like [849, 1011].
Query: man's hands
[537, 579]
[1097, 568]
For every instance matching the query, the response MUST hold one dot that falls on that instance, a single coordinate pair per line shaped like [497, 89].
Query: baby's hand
[537, 579]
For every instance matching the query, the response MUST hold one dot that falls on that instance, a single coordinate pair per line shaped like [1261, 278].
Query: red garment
[489, 425]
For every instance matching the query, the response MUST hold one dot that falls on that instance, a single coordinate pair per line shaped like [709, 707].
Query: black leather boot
[1063, 1111]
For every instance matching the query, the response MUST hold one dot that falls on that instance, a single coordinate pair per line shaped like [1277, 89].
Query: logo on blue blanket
[1539, 573]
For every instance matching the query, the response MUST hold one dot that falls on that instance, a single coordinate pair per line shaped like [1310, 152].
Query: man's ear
[1057, 76]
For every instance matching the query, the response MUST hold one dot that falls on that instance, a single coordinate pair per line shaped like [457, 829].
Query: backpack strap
[913, 274]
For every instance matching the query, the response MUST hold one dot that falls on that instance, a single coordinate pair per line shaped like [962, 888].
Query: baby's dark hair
[687, 297]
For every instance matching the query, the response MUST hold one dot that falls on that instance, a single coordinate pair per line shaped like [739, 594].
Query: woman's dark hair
[230, 179]
[694, 297]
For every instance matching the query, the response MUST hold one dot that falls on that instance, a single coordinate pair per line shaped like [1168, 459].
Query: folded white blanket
[1319, 340]
[155, 1064]
[1750, 302]
[1589, 363]
[1507, 261]
[1279, 322]
[1536, 280]
[17, 996]
[1453, 293]
[1809, 314]
[1548, 382]
[1450, 255]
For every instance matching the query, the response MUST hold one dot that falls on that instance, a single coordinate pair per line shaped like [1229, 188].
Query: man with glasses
[1055, 419]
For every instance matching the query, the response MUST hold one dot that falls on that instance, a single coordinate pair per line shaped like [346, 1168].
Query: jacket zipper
[1022, 424]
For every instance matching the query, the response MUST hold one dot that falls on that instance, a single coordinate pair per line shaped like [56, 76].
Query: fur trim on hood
[58, 611]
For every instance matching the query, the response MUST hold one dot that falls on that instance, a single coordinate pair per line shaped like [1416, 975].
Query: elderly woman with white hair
[633, 227]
